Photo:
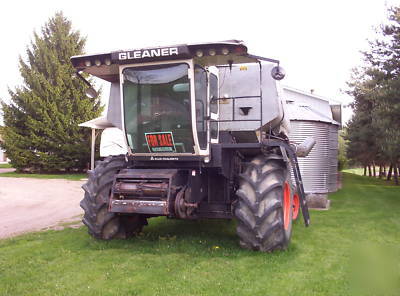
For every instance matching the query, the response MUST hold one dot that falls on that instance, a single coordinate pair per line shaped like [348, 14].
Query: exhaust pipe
[304, 148]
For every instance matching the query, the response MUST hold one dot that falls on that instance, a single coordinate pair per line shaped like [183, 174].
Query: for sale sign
[160, 142]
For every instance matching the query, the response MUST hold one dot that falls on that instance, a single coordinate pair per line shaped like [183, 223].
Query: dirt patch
[6, 170]
[34, 204]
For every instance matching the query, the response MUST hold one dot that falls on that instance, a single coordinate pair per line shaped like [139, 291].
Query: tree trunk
[373, 169]
[380, 172]
[389, 175]
[384, 169]
[365, 170]
[396, 174]
[369, 171]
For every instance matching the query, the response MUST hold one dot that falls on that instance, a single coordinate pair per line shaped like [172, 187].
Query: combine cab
[205, 136]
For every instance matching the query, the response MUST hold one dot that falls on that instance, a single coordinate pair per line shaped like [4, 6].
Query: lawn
[72, 177]
[352, 249]
[360, 171]
[357, 171]
[5, 166]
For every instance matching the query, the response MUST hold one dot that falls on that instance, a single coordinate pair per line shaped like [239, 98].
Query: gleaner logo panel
[161, 53]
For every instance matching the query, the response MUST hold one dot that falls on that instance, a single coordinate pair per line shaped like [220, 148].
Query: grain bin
[311, 116]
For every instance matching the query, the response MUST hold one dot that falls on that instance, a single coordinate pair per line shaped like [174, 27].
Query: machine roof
[106, 65]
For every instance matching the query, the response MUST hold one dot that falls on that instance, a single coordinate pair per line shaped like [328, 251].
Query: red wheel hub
[286, 205]
[296, 206]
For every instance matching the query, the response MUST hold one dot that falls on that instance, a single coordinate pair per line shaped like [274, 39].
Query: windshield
[157, 109]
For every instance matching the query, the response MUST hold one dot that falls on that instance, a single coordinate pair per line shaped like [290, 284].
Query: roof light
[212, 52]
[239, 50]
[225, 51]
[199, 53]
[97, 63]
[88, 63]
[107, 62]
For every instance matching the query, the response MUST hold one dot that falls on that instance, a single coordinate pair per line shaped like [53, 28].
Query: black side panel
[197, 187]
[218, 188]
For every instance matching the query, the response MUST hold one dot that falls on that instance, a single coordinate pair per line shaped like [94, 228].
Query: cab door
[201, 107]
[207, 108]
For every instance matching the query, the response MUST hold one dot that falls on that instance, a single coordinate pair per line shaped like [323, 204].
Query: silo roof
[305, 112]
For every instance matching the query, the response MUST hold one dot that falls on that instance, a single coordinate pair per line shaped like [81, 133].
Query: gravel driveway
[33, 204]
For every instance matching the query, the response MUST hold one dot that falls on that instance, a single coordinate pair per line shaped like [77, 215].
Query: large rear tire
[101, 223]
[265, 205]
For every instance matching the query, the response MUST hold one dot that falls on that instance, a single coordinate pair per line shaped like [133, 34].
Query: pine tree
[376, 91]
[361, 134]
[41, 131]
[384, 56]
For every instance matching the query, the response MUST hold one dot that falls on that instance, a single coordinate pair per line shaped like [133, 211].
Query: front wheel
[100, 222]
[265, 205]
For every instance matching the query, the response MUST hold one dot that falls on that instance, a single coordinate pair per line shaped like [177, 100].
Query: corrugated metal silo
[333, 177]
[311, 116]
[316, 166]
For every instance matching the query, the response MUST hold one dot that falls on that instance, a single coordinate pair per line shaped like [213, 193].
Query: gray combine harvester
[205, 136]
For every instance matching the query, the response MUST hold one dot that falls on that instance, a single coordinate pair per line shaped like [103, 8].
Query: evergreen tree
[384, 57]
[362, 145]
[41, 131]
[376, 91]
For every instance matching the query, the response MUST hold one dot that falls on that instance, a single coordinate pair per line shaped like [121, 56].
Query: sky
[317, 42]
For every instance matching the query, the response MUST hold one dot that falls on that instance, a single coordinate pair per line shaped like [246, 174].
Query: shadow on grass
[198, 240]
[183, 236]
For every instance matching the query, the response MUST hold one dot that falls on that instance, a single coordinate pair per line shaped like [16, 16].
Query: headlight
[225, 51]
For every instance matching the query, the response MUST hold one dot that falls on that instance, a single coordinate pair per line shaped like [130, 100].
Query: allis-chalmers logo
[148, 53]
[163, 158]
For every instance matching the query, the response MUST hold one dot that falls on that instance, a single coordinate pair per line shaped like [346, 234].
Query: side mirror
[278, 73]
[91, 92]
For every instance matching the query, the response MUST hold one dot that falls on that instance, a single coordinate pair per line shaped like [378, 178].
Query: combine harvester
[204, 136]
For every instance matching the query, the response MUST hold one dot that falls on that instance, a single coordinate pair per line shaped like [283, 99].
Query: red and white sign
[160, 142]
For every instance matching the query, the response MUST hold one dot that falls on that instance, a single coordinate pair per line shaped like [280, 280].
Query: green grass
[352, 249]
[360, 171]
[5, 166]
[357, 171]
[72, 177]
